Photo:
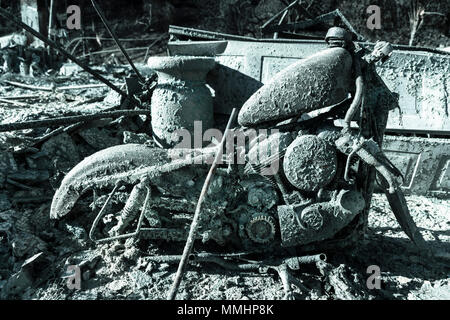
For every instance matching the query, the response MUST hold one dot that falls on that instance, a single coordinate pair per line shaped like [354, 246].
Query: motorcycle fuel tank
[321, 80]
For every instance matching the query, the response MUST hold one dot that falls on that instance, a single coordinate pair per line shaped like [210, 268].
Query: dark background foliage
[244, 17]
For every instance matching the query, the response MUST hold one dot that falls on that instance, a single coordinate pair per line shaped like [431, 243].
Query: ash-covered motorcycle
[304, 182]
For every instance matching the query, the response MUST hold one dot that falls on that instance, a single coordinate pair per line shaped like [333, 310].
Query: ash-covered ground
[35, 252]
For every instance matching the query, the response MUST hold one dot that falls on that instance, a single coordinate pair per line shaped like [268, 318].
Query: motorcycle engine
[301, 224]
[318, 203]
[257, 219]
[312, 167]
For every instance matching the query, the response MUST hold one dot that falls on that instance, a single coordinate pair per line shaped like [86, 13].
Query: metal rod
[107, 39]
[68, 120]
[28, 96]
[111, 51]
[116, 40]
[349, 25]
[197, 33]
[311, 22]
[50, 20]
[81, 86]
[275, 35]
[102, 210]
[56, 46]
[56, 132]
[31, 87]
[152, 44]
[121, 236]
[27, 86]
[14, 103]
[194, 225]
[278, 14]
[50, 25]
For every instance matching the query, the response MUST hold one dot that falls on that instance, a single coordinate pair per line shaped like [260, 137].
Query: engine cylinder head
[310, 163]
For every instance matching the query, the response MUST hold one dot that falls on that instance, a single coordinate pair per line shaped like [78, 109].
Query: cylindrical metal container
[321, 80]
[181, 98]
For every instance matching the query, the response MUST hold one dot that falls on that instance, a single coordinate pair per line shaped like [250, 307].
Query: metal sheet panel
[422, 81]
[423, 161]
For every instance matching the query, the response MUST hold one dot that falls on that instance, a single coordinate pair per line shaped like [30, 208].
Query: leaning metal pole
[50, 24]
[116, 40]
[194, 225]
[54, 45]
[50, 20]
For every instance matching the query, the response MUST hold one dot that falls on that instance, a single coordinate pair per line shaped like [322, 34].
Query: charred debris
[134, 193]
